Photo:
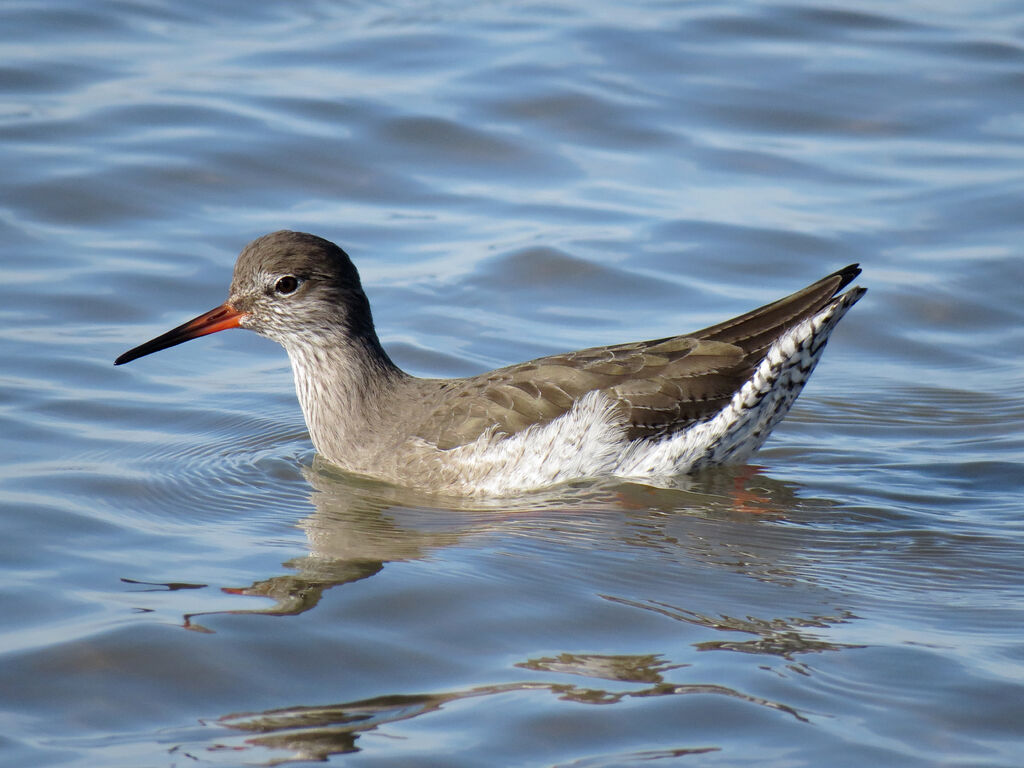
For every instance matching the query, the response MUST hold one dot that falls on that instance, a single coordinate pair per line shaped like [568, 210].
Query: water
[182, 583]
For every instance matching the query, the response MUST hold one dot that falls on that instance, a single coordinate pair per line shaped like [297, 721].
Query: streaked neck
[346, 389]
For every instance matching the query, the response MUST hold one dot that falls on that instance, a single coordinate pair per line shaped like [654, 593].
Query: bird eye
[287, 284]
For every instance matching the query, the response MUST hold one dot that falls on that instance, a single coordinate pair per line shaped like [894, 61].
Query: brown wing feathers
[662, 386]
[757, 329]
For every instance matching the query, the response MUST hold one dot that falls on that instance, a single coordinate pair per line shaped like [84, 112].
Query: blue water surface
[183, 583]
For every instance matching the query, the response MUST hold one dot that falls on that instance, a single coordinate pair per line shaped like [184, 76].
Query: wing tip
[846, 276]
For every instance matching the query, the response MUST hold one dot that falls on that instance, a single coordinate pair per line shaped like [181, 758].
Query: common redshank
[643, 410]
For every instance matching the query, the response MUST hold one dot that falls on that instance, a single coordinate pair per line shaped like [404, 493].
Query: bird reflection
[357, 528]
[318, 732]
[360, 524]
[774, 637]
[647, 668]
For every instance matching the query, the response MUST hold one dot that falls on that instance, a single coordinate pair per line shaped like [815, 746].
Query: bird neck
[346, 389]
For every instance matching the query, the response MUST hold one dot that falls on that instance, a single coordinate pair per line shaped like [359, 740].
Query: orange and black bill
[218, 319]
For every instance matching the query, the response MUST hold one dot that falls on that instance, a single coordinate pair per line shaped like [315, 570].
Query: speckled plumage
[646, 409]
